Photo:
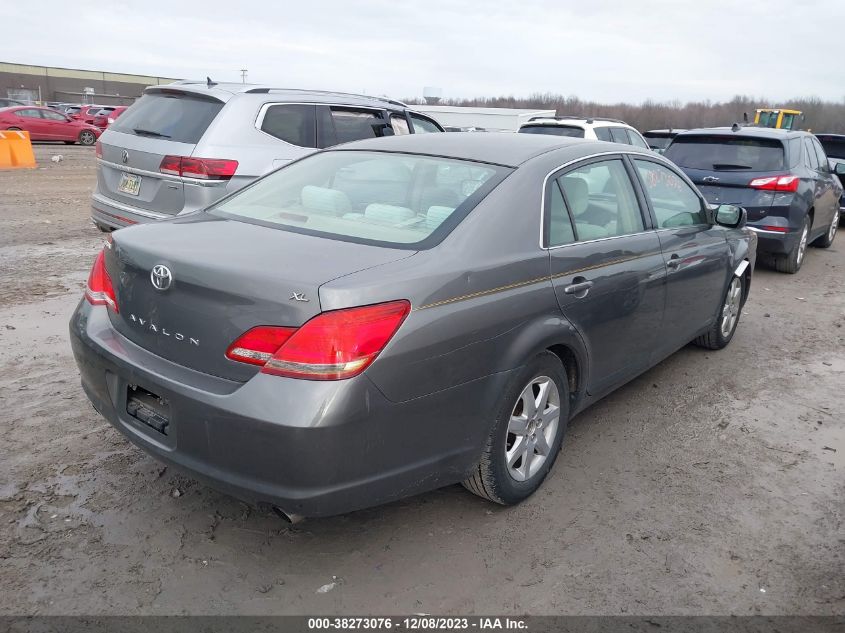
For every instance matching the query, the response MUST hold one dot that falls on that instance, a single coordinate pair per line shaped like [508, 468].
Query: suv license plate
[129, 183]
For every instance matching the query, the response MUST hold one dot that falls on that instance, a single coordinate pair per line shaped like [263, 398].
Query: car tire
[69, 142]
[826, 240]
[14, 129]
[523, 444]
[87, 138]
[723, 328]
[791, 263]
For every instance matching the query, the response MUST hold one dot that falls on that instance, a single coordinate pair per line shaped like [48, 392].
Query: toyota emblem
[161, 277]
[124, 157]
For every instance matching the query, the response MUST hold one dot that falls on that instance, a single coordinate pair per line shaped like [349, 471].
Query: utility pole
[243, 75]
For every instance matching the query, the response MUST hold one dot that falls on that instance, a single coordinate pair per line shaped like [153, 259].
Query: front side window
[619, 135]
[673, 201]
[787, 121]
[29, 114]
[52, 116]
[354, 125]
[636, 140]
[423, 125]
[601, 200]
[293, 123]
[372, 197]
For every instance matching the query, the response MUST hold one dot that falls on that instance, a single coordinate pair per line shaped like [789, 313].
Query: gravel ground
[713, 484]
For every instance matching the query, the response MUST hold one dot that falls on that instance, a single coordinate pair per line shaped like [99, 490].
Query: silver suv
[182, 146]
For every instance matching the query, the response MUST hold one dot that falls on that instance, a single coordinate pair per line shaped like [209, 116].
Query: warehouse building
[47, 84]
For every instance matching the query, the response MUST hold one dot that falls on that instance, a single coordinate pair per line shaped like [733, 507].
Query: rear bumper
[312, 448]
[775, 242]
[115, 215]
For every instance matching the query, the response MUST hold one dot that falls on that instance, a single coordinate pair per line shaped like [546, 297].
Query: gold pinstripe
[520, 284]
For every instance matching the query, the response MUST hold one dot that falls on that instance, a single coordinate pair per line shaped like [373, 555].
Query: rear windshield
[726, 153]
[175, 117]
[657, 142]
[399, 200]
[554, 130]
[833, 147]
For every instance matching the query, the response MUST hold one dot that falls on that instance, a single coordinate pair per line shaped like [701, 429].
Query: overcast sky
[607, 50]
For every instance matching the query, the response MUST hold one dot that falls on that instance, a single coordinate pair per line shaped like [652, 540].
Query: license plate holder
[148, 408]
[129, 184]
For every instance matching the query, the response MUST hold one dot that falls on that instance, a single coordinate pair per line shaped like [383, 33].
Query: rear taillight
[204, 168]
[331, 346]
[258, 345]
[99, 290]
[98, 150]
[776, 183]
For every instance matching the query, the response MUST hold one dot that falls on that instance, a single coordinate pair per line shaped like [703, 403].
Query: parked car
[374, 320]
[86, 113]
[596, 128]
[45, 124]
[659, 140]
[781, 177]
[183, 146]
[107, 116]
[8, 103]
[834, 147]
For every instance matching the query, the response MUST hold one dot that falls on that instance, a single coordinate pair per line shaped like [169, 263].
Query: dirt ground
[713, 484]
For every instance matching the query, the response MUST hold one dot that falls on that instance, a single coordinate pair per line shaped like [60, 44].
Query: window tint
[824, 165]
[423, 125]
[292, 123]
[560, 224]
[603, 134]
[572, 131]
[353, 125]
[52, 116]
[399, 124]
[394, 199]
[810, 153]
[726, 153]
[673, 201]
[636, 139]
[30, 114]
[619, 135]
[796, 150]
[601, 199]
[178, 117]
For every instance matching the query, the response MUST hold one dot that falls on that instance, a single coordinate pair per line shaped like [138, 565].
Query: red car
[106, 116]
[44, 124]
[86, 113]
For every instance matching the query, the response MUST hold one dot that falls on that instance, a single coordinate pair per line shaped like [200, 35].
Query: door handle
[674, 261]
[580, 288]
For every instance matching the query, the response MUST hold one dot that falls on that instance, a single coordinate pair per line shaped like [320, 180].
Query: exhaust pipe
[291, 518]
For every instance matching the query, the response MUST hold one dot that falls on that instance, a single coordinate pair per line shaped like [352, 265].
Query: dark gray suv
[781, 177]
[183, 146]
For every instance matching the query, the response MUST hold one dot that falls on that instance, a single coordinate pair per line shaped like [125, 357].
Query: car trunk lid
[732, 187]
[225, 278]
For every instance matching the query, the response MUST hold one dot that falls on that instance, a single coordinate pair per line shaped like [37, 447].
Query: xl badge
[161, 277]
[298, 296]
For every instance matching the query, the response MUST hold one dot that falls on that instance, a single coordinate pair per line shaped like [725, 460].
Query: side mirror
[731, 216]
[839, 169]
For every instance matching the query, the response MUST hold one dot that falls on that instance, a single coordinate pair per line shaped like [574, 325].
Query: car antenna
[210, 83]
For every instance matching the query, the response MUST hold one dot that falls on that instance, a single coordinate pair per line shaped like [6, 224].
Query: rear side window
[810, 153]
[796, 150]
[603, 134]
[399, 124]
[572, 131]
[52, 116]
[560, 224]
[824, 165]
[602, 201]
[726, 153]
[353, 125]
[30, 114]
[293, 123]
[176, 117]
[673, 201]
[400, 200]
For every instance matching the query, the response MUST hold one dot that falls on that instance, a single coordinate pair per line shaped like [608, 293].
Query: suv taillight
[204, 168]
[776, 183]
[331, 346]
[99, 290]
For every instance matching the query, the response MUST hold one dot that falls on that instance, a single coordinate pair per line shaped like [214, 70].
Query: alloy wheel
[802, 245]
[532, 428]
[831, 232]
[86, 138]
[732, 307]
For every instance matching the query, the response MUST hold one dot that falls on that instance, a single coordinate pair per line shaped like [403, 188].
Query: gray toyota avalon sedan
[399, 314]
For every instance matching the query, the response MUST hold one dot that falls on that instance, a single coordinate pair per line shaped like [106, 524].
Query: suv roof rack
[588, 119]
[266, 90]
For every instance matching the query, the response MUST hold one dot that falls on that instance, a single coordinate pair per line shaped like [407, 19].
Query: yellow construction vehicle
[778, 118]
